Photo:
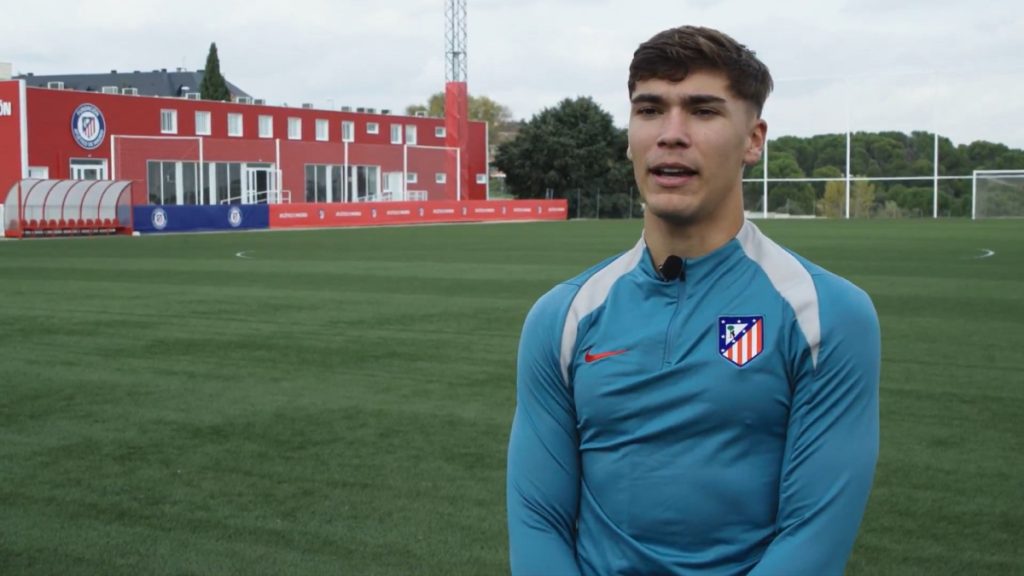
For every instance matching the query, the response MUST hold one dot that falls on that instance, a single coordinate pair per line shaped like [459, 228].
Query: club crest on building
[740, 338]
[88, 126]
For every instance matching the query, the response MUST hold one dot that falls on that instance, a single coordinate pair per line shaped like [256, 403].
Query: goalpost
[997, 194]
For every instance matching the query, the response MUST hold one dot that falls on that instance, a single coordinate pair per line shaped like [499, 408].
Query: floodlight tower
[456, 98]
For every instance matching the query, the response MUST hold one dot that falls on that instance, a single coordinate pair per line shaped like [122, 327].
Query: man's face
[689, 141]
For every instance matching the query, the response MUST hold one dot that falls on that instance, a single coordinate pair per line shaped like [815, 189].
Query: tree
[213, 85]
[497, 116]
[575, 150]
[786, 197]
[833, 202]
[862, 199]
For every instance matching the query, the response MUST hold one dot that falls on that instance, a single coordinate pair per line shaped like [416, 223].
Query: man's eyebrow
[647, 98]
[702, 99]
[688, 101]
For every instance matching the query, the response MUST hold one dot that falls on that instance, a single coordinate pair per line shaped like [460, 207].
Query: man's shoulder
[585, 291]
[834, 289]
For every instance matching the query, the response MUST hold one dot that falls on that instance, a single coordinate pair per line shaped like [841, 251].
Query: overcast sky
[949, 65]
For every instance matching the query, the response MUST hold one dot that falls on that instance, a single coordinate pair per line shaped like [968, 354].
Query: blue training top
[724, 423]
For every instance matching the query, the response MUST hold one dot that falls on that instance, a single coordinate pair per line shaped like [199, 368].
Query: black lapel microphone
[672, 269]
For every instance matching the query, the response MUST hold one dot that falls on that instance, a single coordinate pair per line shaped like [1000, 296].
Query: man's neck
[665, 238]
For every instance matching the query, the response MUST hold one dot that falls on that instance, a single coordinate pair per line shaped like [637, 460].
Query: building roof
[156, 83]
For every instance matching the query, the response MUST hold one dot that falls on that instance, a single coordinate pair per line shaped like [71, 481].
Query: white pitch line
[243, 256]
[986, 253]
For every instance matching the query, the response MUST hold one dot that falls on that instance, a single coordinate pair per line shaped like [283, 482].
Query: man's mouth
[673, 170]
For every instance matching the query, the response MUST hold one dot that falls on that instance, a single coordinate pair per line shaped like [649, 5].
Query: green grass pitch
[338, 401]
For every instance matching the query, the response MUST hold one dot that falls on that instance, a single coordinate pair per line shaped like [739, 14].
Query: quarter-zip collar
[695, 269]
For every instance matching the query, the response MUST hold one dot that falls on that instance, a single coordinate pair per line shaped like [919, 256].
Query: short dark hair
[672, 54]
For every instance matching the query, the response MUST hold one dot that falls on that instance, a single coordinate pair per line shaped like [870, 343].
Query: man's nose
[675, 130]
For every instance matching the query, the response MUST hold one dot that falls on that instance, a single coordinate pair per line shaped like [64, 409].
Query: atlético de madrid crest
[740, 338]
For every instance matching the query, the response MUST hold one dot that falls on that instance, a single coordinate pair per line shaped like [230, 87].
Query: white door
[260, 184]
[88, 169]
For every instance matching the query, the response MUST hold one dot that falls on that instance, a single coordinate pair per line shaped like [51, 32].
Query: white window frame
[481, 178]
[440, 178]
[204, 123]
[168, 121]
[411, 177]
[348, 131]
[266, 126]
[80, 165]
[440, 132]
[294, 128]
[323, 130]
[410, 134]
[372, 128]
[235, 131]
[396, 133]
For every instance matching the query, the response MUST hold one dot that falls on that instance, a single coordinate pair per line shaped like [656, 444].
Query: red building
[185, 151]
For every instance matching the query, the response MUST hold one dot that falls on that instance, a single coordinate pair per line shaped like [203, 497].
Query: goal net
[997, 194]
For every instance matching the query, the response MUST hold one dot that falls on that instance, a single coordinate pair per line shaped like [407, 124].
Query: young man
[707, 402]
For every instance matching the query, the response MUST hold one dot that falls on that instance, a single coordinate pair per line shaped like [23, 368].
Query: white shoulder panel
[590, 296]
[790, 278]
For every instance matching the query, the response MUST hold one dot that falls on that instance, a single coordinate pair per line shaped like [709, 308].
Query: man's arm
[543, 452]
[832, 442]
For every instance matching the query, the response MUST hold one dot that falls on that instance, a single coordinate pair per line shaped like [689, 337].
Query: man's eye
[646, 111]
[705, 112]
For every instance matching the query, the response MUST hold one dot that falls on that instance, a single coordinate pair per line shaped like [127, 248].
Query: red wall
[10, 136]
[393, 213]
[51, 143]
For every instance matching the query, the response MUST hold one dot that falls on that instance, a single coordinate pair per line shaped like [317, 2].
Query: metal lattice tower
[455, 40]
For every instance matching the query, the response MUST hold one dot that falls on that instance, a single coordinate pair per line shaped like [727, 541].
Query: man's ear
[629, 153]
[755, 143]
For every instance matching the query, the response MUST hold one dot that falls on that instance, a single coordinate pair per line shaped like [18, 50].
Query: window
[322, 130]
[266, 126]
[333, 183]
[440, 177]
[168, 121]
[411, 177]
[481, 178]
[202, 123]
[372, 128]
[440, 132]
[396, 133]
[173, 183]
[295, 128]
[234, 124]
[347, 131]
[410, 134]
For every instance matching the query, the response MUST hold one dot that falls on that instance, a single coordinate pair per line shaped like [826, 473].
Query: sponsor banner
[385, 213]
[151, 218]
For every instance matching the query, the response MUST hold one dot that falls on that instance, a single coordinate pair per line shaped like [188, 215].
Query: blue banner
[152, 218]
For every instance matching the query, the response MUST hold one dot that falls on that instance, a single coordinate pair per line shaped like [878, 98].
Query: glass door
[260, 184]
[88, 169]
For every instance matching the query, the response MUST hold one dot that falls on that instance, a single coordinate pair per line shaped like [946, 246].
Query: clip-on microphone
[672, 268]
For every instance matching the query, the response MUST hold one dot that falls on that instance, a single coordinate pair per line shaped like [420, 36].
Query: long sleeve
[832, 441]
[543, 454]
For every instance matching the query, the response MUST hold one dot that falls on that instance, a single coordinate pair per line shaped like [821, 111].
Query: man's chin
[674, 215]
